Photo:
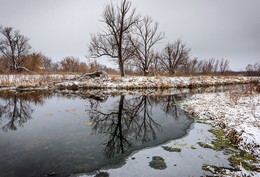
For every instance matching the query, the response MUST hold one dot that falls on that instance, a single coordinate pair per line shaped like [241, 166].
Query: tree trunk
[171, 72]
[121, 68]
[146, 72]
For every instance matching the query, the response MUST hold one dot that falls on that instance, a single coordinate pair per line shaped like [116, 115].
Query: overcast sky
[227, 29]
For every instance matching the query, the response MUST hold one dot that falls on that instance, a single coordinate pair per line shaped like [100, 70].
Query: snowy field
[158, 82]
[236, 112]
[47, 81]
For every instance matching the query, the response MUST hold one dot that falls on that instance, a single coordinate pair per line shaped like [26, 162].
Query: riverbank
[71, 82]
[183, 157]
[237, 113]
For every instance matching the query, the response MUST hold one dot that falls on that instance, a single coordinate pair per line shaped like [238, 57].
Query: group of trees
[206, 66]
[130, 39]
[136, 52]
[38, 63]
[253, 70]
[17, 56]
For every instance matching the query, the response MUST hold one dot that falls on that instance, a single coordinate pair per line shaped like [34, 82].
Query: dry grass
[116, 81]
[28, 80]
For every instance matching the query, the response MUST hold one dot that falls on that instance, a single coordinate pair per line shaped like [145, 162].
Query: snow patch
[240, 113]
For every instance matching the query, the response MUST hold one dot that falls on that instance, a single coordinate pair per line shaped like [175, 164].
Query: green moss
[229, 151]
[200, 120]
[205, 145]
[220, 144]
[158, 163]
[236, 160]
[171, 149]
[217, 170]
[192, 147]
[217, 132]
[246, 156]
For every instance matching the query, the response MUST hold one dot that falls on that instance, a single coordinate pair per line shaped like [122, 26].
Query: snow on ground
[58, 80]
[158, 82]
[237, 113]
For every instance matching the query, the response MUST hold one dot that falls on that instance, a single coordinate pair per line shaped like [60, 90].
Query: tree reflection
[168, 105]
[142, 124]
[15, 107]
[128, 124]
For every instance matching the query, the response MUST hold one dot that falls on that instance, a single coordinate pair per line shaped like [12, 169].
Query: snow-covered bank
[67, 81]
[237, 113]
[158, 82]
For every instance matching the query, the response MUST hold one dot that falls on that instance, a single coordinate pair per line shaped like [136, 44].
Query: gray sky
[227, 29]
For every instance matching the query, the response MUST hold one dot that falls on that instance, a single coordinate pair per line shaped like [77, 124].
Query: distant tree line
[38, 63]
[253, 70]
[16, 56]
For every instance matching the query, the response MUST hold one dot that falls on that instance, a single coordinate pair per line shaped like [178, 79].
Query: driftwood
[92, 75]
[96, 74]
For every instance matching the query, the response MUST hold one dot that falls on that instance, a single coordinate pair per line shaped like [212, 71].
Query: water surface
[46, 133]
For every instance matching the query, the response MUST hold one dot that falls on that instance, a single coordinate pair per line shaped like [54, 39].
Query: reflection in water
[16, 108]
[130, 123]
[65, 143]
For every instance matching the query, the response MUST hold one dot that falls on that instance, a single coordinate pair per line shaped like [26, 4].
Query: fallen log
[92, 75]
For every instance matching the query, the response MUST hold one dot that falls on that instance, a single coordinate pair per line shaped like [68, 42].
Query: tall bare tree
[208, 66]
[223, 66]
[143, 39]
[174, 55]
[112, 41]
[14, 46]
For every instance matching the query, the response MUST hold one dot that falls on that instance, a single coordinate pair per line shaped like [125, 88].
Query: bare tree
[143, 39]
[253, 70]
[216, 65]
[174, 55]
[223, 66]
[47, 63]
[195, 66]
[208, 66]
[14, 46]
[113, 40]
